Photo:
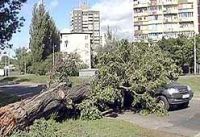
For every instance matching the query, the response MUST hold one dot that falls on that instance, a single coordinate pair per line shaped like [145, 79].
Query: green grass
[25, 78]
[106, 128]
[193, 82]
[38, 79]
[6, 99]
[98, 128]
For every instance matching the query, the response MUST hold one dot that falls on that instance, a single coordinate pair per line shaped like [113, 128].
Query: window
[86, 45]
[66, 43]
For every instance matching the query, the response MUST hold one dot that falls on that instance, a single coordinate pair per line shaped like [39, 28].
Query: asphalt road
[183, 122]
[22, 90]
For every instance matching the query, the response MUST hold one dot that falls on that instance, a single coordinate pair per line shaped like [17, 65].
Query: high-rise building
[154, 19]
[85, 20]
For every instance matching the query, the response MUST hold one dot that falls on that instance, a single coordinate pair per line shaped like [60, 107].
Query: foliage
[180, 49]
[110, 44]
[3, 61]
[198, 48]
[89, 111]
[45, 38]
[94, 128]
[143, 68]
[10, 21]
[41, 128]
[23, 60]
[66, 65]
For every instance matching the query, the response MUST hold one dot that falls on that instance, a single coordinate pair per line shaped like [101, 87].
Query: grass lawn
[38, 79]
[25, 78]
[106, 128]
[193, 82]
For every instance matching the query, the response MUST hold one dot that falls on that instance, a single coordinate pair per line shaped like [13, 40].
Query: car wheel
[163, 102]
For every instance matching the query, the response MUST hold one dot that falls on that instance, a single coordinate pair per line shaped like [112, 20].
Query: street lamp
[195, 55]
[54, 56]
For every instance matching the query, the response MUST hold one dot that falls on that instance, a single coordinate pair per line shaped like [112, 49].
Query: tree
[143, 68]
[198, 49]
[9, 20]
[20, 115]
[23, 60]
[66, 65]
[44, 34]
[179, 49]
[110, 45]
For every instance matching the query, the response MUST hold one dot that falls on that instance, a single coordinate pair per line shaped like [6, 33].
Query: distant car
[174, 94]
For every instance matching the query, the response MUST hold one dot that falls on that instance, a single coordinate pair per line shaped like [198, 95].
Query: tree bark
[22, 114]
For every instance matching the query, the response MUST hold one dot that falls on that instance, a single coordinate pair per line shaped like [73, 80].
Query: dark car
[174, 94]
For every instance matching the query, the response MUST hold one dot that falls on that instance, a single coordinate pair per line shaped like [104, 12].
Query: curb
[196, 98]
[198, 135]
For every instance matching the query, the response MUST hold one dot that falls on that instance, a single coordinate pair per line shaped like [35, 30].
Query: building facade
[84, 20]
[77, 43]
[155, 19]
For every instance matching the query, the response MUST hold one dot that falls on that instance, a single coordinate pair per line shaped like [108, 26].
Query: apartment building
[85, 20]
[154, 19]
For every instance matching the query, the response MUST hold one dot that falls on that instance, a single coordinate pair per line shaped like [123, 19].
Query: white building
[154, 19]
[79, 43]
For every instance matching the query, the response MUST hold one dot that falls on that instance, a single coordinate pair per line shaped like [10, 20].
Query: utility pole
[54, 56]
[25, 67]
[9, 63]
[195, 55]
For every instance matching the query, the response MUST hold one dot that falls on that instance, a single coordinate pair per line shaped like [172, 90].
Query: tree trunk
[21, 114]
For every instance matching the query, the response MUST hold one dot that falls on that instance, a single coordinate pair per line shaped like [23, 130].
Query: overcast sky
[115, 13]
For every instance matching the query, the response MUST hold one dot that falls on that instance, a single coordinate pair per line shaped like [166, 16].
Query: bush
[89, 111]
[41, 128]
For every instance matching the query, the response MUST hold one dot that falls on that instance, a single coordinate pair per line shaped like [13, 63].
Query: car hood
[175, 85]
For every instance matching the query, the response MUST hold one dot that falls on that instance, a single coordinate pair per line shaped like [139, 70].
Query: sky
[115, 13]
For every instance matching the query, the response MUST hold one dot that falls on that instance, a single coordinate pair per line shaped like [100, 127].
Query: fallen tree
[18, 116]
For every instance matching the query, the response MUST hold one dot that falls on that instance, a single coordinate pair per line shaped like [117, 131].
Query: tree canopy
[141, 67]
[10, 21]
[44, 34]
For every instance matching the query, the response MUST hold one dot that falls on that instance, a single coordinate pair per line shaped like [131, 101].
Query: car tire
[163, 100]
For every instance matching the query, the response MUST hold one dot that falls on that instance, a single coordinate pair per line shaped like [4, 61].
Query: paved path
[185, 122]
[22, 90]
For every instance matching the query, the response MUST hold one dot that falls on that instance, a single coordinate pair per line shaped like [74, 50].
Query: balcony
[137, 32]
[155, 21]
[158, 12]
[186, 19]
[138, 23]
[141, 14]
[173, 29]
[189, 28]
[171, 20]
[140, 5]
[170, 11]
[165, 2]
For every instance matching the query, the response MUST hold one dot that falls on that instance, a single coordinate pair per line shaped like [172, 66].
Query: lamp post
[54, 56]
[195, 55]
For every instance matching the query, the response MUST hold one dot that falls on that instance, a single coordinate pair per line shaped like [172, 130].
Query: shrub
[41, 128]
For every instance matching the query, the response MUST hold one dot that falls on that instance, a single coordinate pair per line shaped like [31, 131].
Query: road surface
[22, 90]
[184, 122]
